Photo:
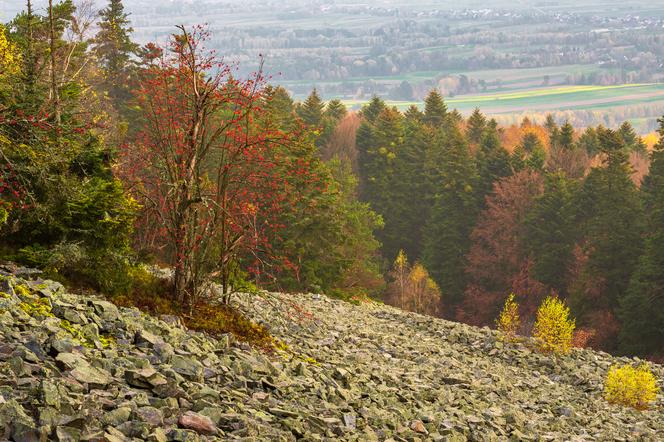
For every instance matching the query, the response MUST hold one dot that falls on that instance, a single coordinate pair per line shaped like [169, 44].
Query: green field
[550, 99]
[496, 80]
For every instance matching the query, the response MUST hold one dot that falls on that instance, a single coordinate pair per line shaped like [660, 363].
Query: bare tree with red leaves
[206, 177]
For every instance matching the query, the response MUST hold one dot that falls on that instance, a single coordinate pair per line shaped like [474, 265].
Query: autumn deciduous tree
[412, 288]
[342, 143]
[199, 167]
[497, 256]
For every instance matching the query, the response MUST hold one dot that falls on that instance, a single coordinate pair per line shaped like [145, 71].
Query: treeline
[530, 210]
[644, 117]
[114, 155]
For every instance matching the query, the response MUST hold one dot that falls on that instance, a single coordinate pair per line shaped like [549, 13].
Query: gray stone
[150, 415]
[68, 434]
[91, 375]
[16, 423]
[106, 310]
[188, 367]
[117, 416]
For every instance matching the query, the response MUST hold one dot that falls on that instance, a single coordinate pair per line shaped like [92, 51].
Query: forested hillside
[116, 156]
[528, 210]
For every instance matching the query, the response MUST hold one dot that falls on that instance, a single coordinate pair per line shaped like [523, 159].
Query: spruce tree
[447, 232]
[553, 130]
[435, 109]
[311, 111]
[476, 126]
[365, 143]
[114, 48]
[611, 217]
[493, 161]
[642, 306]
[589, 142]
[335, 110]
[280, 107]
[414, 114]
[550, 231]
[379, 145]
[372, 109]
[412, 182]
[632, 141]
[566, 136]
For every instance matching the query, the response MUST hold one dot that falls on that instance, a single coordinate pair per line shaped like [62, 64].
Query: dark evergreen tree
[311, 111]
[611, 216]
[632, 141]
[372, 109]
[566, 137]
[114, 49]
[335, 110]
[365, 143]
[553, 131]
[551, 231]
[493, 161]
[589, 142]
[414, 114]
[280, 107]
[455, 117]
[642, 305]
[447, 232]
[413, 183]
[435, 109]
[476, 126]
[379, 145]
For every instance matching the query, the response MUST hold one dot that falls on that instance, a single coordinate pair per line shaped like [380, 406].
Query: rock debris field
[79, 368]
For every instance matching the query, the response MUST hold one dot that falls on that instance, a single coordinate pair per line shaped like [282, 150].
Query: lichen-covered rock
[76, 368]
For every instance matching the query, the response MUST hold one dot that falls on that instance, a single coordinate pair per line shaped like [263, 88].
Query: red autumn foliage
[342, 143]
[497, 263]
[211, 184]
[529, 292]
[601, 331]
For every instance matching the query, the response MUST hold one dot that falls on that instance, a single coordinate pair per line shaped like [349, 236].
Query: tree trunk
[55, 96]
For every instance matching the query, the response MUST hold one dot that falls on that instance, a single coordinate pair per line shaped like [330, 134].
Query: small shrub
[554, 330]
[631, 386]
[4, 212]
[508, 321]
[153, 295]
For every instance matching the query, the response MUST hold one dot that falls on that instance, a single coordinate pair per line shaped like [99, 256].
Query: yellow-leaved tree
[631, 386]
[554, 329]
[10, 59]
[508, 321]
[412, 288]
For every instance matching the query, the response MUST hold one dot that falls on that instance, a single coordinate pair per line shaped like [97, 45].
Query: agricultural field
[492, 80]
[553, 98]
[575, 103]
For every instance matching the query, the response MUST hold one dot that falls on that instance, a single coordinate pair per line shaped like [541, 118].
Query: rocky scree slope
[76, 368]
